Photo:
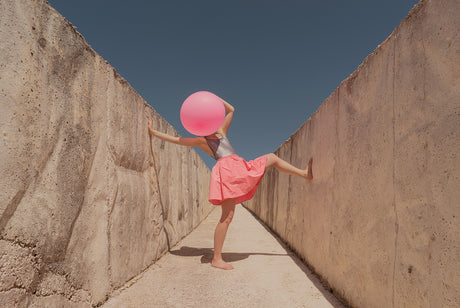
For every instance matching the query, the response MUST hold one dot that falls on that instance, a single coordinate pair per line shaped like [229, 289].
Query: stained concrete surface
[87, 199]
[380, 220]
[266, 274]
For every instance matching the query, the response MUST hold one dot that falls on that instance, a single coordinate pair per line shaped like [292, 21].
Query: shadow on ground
[207, 254]
[322, 285]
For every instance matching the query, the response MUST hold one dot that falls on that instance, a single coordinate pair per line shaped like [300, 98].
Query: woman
[233, 180]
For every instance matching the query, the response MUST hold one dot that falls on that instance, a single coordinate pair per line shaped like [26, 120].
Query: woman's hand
[163, 136]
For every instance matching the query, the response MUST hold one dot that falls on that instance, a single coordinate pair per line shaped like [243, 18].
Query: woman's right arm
[228, 118]
[196, 142]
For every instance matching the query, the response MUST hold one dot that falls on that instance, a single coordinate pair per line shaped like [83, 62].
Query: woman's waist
[228, 156]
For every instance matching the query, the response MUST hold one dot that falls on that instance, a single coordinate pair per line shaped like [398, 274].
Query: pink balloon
[202, 113]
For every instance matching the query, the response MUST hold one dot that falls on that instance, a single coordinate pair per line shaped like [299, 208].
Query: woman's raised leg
[228, 210]
[285, 167]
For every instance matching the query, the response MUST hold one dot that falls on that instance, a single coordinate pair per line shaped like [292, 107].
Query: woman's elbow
[229, 109]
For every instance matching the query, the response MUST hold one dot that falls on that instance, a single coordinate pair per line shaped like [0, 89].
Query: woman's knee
[271, 160]
[227, 217]
[228, 210]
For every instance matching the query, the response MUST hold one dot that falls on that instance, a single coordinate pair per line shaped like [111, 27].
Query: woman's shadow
[207, 254]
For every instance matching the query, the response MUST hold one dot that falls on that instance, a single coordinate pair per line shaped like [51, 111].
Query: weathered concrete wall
[380, 220]
[87, 200]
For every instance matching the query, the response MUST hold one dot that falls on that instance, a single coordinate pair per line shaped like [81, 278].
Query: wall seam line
[159, 194]
[394, 175]
[109, 204]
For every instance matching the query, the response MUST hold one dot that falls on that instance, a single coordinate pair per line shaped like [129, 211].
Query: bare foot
[310, 170]
[221, 264]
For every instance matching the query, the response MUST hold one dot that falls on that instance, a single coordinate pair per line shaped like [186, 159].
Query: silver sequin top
[220, 147]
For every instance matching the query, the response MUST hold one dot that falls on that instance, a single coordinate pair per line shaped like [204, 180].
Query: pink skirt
[234, 178]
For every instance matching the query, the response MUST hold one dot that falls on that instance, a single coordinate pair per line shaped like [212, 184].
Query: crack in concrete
[159, 194]
[332, 223]
[288, 209]
[11, 208]
[109, 241]
[14, 203]
[14, 287]
[394, 176]
[131, 281]
[17, 242]
[126, 285]
[72, 226]
[109, 206]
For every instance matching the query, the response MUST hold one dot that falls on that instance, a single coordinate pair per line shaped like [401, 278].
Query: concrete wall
[87, 199]
[380, 220]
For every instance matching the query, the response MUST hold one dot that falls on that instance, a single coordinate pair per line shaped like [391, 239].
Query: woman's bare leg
[285, 167]
[228, 210]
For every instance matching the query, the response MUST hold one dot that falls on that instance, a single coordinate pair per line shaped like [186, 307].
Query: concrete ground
[266, 273]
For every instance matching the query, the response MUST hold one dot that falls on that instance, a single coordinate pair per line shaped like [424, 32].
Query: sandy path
[266, 273]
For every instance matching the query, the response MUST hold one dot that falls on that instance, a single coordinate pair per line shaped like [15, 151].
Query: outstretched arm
[197, 141]
[228, 118]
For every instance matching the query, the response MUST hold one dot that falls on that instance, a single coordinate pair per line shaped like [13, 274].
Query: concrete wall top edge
[95, 53]
[116, 74]
[415, 10]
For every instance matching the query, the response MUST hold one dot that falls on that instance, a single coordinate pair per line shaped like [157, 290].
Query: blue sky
[274, 61]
